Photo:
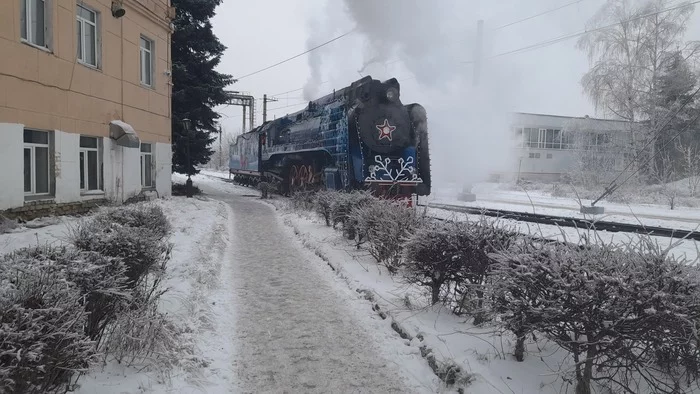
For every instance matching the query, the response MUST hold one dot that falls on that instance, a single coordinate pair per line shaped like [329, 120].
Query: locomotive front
[389, 141]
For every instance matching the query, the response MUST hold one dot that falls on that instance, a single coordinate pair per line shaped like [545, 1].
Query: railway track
[561, 221]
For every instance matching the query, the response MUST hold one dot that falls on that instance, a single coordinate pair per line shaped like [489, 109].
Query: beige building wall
[49, 89]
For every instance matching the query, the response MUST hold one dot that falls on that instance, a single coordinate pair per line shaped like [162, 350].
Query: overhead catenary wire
[552, 41]
[294, 90]
[538, 15]
[298, 55]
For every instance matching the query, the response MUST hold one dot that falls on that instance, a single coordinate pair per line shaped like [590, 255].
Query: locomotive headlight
[392, 94]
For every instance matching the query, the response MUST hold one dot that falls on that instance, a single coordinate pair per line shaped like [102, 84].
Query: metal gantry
[246, 101]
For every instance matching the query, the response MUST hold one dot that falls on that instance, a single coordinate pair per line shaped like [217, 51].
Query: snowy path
[295, 331]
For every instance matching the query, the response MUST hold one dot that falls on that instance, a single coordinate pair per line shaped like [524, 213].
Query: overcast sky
[545, 80]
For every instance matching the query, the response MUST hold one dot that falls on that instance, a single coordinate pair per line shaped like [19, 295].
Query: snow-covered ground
[252, 289]
[197, 299]
[265, 314]
[199, 302]
[491, 196]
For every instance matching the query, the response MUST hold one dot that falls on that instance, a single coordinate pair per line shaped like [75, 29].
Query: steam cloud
[468, 125]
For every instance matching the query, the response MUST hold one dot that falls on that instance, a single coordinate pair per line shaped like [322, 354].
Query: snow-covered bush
[101, 280]
[6, 225]
[141, 249]
[322, 203]
[487, 236]
[386, 225]
[453, 257]
[435, 254]
[145, 216]
[303, 200]
[265, 189]
[141, 333]
[344, 204]
[614, 310]
[42, 340]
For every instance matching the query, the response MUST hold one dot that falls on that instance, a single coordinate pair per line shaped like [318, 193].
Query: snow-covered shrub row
[343, 205]
[628, 316]
[145, 216]
[101, 280]
[135, 234]
[386, 225]
[61, 306]
[452, 259]
[321, 203]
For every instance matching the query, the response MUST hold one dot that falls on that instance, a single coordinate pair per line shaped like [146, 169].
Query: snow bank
[196, 301]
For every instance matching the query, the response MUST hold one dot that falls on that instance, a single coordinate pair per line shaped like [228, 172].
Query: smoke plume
[468, 120]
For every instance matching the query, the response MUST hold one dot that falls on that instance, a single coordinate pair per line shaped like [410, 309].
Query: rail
[563, 221]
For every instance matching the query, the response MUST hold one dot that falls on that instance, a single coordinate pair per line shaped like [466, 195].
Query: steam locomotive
[358, 137]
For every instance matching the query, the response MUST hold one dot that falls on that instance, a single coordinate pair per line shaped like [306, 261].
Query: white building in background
[548, 146]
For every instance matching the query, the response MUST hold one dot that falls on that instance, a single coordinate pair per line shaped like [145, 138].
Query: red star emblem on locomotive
[385, 130]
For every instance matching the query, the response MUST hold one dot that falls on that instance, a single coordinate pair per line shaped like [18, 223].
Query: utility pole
[265, 101]
[467, 193]
[478, 51]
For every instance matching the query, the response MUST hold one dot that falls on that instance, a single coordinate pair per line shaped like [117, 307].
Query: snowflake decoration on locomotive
[381, 171]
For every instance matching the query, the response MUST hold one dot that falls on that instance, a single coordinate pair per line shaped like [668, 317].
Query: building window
[567, 140]
[87, 36]
[552, 139]
[90, 166]
[33, 22]
[36, 162]
[146, 165]
[532, 138]
[146, 61]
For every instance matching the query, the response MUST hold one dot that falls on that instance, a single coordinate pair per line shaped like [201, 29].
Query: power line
[538, 15]
[287, 106]
[295, 90]
[299, 55]
[274, 108]
[546, 43]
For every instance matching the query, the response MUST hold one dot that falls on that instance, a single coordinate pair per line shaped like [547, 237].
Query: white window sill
[90, 66]
[143, 85]
[92, 192]
[36, 198]
[45, 49]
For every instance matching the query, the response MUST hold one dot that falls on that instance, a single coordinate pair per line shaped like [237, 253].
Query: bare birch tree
[628, 46]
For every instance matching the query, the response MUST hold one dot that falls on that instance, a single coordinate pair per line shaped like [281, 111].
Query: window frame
[32, 146]
[98, 171]
[26, 32]
[142, 159]
[142, 66]
[81, 45]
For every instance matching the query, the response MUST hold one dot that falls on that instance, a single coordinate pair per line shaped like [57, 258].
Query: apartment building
[84, 101]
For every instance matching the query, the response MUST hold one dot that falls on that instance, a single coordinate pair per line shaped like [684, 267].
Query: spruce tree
[197, 86]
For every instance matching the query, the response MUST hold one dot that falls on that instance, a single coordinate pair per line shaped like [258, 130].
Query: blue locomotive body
[359, 137]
